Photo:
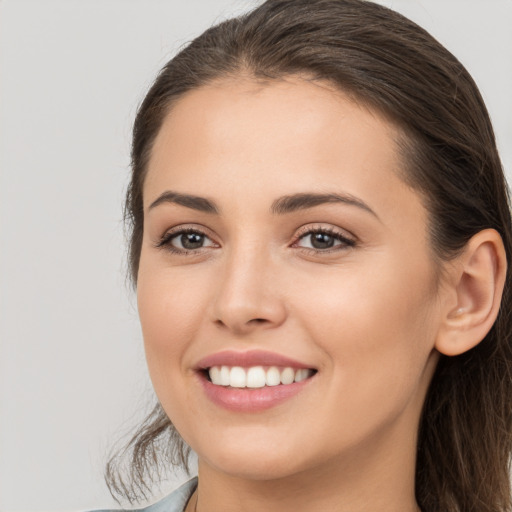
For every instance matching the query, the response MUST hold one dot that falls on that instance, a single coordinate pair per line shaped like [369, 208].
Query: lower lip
[251, 399]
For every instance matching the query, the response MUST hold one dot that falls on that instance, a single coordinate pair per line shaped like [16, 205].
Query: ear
[476, 279]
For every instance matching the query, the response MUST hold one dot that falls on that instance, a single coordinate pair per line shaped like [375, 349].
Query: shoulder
[174, 502]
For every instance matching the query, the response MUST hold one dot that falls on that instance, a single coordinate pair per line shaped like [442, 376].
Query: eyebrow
[194, 202]
[281, 206]
[292, 203]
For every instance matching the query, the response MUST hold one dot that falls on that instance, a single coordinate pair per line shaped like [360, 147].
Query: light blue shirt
[175, 502]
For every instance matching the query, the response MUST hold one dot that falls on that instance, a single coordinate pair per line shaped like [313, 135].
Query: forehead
[239, 139]
[287, 121]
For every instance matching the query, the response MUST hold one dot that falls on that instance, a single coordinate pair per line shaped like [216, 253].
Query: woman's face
[279, 238]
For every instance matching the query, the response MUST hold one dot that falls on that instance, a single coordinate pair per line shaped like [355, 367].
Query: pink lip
[247, 359]
[251, 400]
[245, 399]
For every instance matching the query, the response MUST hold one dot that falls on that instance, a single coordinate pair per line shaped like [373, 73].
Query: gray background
[72, 370]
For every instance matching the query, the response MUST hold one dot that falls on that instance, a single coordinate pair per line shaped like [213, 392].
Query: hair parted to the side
[390, 64]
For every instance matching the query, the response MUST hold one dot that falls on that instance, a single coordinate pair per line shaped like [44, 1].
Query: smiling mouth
[256, 376]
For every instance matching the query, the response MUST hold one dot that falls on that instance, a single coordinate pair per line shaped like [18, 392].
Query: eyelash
[165, 241]
[346, 243]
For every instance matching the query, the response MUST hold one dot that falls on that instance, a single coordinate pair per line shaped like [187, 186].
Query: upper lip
[248, 359]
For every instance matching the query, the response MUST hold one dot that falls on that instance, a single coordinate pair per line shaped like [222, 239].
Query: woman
[320, 236]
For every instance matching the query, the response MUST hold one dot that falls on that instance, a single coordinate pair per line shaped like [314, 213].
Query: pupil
[192, 240]
[322, 241]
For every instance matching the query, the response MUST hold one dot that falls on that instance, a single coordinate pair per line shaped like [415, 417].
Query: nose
[249, 295]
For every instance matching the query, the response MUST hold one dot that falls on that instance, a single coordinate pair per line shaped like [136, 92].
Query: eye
[185, 240]
[322, 239]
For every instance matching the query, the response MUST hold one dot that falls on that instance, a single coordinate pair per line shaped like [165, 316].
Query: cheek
[170, 310]
[171, 306]
[385, 300]
[377, 330]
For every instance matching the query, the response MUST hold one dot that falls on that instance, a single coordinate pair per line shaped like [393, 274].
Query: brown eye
[321, 240]
[186, 240]
[189, 241]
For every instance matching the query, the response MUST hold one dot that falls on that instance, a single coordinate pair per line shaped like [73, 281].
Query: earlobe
[477, 281]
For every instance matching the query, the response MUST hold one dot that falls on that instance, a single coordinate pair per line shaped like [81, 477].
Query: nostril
[248, 325]
[257, 321]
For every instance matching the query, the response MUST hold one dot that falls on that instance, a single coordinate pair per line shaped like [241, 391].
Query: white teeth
[237, 377]
[215, 374]
[273, 376]
[301, 374]
[256, 376]
[287, 376]
[224, 376]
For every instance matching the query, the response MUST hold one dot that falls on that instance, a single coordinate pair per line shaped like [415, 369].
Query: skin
[366, 315]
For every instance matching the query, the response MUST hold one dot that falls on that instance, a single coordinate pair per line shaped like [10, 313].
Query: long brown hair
[392, 65]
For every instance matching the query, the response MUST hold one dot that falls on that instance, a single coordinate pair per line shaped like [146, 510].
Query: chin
[254, 466]
[262, 460]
